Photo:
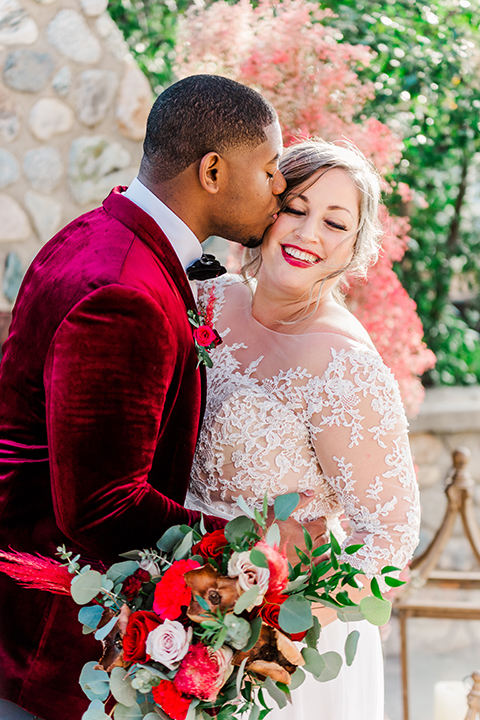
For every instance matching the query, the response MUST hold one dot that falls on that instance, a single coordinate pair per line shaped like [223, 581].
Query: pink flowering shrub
[287, 53]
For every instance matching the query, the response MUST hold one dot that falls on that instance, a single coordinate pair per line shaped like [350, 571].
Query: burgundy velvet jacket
[100, 406]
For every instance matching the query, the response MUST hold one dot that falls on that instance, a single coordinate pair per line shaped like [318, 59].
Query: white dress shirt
[183, 240]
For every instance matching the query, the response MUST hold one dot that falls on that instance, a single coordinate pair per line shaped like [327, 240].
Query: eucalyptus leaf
[185, 546]
[313, 634]
[333, 664]
[258, 558]
[255, 627]
[298, 678]
[121, 687]
[376, 611]
[241, 670]
[90, 616]
[191, 710]
[237, 528]
[275, 693]
[242, 504]
[295, 614]
[285, 505]
[105, 629]
[246, 600]
[132, 712]
[298, 582]
[260, 520]
[254, 713]
[151, 716]
[349, 616]
[170, 538]
[95, 711]
[351, 646]
[94, 683]
[132, 555]
[119, 572]
[314, 662]
[272, 537]
[86, 587]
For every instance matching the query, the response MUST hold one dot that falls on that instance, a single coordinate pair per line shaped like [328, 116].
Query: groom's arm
[109, 379]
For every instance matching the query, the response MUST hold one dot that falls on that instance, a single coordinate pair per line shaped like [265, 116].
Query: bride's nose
[307, 231]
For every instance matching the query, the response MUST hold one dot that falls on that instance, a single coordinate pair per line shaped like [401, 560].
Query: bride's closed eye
[336, 225]
[293, 211]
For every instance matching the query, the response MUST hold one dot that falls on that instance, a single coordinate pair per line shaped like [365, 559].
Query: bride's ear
[210, 171]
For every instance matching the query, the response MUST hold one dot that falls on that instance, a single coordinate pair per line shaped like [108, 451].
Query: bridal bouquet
[204, 626]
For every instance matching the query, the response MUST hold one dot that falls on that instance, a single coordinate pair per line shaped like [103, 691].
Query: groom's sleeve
[110, 380]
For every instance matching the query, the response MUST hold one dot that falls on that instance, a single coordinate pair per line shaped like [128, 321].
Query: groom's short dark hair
[201, 114]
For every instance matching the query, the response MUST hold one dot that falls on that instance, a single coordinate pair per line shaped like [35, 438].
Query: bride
[300, 400]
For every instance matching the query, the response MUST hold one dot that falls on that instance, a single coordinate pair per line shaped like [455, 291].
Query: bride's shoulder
[229, 287]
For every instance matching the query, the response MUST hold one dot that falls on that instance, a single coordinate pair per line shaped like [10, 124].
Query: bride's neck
[279, 311]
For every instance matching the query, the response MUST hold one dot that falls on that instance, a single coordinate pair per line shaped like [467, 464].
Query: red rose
[211, 545]
[204, 335]
[172, 593]
[269, 614]
[171, 700]
[140, 623]
[132, 585]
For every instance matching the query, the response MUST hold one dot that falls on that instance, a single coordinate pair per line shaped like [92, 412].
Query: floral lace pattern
[335, 426]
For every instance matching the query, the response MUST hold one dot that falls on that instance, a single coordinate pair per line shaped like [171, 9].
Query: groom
[100, 398]
[100, 395]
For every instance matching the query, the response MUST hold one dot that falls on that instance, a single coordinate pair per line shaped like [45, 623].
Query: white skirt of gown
[356, 694]
[358, 691]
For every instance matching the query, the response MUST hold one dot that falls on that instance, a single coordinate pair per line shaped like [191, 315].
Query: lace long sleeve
[359, 432]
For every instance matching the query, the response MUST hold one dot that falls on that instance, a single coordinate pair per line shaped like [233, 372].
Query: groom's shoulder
[95, 249]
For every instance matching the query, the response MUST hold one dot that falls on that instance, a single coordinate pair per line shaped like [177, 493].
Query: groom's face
[249, 201]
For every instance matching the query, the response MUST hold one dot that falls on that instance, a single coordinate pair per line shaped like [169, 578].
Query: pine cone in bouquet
[274, 655]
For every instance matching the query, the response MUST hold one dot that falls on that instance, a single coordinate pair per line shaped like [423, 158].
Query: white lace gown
[317, 411]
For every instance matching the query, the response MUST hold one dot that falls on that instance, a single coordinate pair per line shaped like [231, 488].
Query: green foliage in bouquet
[204, 624]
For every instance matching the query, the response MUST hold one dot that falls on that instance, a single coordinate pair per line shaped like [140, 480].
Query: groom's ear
[210, 170]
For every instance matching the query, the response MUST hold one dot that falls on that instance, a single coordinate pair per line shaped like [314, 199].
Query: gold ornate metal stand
[412, 601]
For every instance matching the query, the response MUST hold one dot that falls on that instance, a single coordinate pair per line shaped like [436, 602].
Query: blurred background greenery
[427, 89]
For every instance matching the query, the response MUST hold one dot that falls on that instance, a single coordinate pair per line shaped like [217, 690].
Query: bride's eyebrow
[330, 207]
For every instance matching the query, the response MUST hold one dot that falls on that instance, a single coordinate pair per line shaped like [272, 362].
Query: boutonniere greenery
[205, 337]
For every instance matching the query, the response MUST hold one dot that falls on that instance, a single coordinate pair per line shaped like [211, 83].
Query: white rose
[168, 643]
[249, 574]
[150, 566]
[225, 667]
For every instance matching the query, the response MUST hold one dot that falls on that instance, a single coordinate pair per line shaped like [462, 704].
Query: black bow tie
[205, 268]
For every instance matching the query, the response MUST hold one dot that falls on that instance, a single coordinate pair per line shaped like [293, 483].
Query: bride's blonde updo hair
[300, 165]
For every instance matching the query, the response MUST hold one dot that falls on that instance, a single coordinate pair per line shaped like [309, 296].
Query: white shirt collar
[183, 240]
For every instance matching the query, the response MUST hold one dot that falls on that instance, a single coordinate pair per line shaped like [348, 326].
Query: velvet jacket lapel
[147, 230]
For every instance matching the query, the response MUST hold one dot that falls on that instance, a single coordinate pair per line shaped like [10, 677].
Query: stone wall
[73, 108]
[449, 417]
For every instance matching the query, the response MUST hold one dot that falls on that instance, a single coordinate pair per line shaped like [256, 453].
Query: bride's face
[313, 236]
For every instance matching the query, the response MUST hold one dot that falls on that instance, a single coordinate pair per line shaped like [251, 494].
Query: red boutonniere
[205, 337]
